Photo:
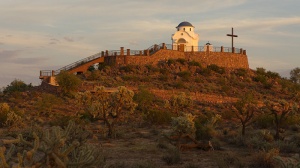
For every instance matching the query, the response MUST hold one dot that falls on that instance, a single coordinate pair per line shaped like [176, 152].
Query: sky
[49, 34]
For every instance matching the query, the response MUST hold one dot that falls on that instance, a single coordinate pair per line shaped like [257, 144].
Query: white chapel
[185, 37]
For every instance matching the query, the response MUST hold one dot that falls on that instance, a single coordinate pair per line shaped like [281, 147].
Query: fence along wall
[223, 59]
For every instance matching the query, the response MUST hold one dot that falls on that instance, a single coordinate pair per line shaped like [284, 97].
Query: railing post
[115, 53]
[164, 46]
[222, 49]
[53, 73]
[148, 52]
[244, 52]
[102, 53]
[241, 51]
[128, 52]
[233, 49]
[155, 47]
[122, 51]
[207, 48]
[141, 53]
[106, 52]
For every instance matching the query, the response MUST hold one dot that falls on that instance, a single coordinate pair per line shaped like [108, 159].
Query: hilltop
[212, 94]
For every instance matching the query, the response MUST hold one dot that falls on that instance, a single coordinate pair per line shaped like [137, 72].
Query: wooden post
[106, 52]
[115, 53]
[164, 46]
[148, 53]
[244, 52]
[241, 51]
[141, 53]
[233, 49]
[207, 48]
[222, 49]
[122, 51]
[102, 53]
[53, 73]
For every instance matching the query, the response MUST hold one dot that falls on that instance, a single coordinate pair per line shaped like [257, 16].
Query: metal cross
[232, 35]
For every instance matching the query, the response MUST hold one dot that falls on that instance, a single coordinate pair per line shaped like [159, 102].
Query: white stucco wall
[187, 33]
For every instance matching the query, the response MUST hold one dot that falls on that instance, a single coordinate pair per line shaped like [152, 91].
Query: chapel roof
[185, 23]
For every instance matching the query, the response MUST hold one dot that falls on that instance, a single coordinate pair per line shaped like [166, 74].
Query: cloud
[69, 39]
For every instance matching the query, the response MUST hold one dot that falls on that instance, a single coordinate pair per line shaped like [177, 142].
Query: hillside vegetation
[174, 114]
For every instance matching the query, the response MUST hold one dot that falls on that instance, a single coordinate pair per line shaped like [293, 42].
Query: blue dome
[185, 24]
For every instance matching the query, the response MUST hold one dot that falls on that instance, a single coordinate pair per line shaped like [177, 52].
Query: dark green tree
[295, 75]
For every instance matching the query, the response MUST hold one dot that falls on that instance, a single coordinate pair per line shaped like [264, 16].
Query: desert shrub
[260, 71]
[260, 78]
[178, 85]
[152, 68]
[158, 117]
[291, 162]
[273, 75]
[241, 72]
[216, 68]
[264, 159]
[264, 121]
[46, 102]
[10, 118]
[198, 80]
[144, 98]
[112, 108]
[16, 86]
[102, 66]
[67, 82]
[185, 75]
[172, 156]
[204, 71]
[183, 125]
[133, 78]
[228, 160]
[93, 75]
[181, 61]
[128, 68]
[163, 77]
[205, 127]
[194, 63]
[287, 147]
[91, 68]
[55, 147]
[179, 103]
[171, 61]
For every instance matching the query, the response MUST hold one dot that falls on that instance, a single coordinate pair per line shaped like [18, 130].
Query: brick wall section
[223, 59]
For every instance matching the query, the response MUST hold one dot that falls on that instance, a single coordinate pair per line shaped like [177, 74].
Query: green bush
[128, 68]
[181, 61]
[241, 72]
[67, 82]
[171, 61]
[194, 63]
[185, 75]
[16, 86]
[216, 68]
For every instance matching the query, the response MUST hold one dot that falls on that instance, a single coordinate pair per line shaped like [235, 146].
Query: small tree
[16, 86]
[244, 110]
[280, 110]
[67, 82]
[295, 75]
[179, 102]
[112, 108]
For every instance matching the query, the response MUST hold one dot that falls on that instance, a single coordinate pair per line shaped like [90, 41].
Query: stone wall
[223, 59]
